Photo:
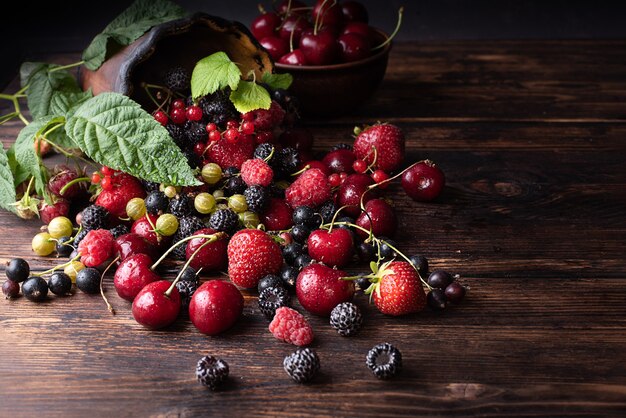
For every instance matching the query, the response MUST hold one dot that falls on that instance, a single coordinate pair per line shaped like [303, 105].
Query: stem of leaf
[68, 66]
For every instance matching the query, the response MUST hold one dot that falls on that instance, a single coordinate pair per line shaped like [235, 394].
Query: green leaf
[62, 102]
[250, 96]
[26, 156]
[115, 131]
[374, 267]
[277, 81]
[44, 83]
[7, 185]
[126, 28]
[213, 73]
[20, 174]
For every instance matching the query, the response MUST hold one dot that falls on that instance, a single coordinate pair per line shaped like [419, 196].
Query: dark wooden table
[532, 138]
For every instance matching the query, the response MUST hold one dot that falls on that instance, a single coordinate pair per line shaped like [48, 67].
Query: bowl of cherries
[336, 58]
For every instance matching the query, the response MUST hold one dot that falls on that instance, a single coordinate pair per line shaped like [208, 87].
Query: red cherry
[423, 182]
[96, 178]
[332, 248]
[214, 136]
[382, 219]
[265, 25]
[319, 165]
[359, 166]
[327, 13]
[215, 306]
[295, 57]
[212, 257]
[132, 275]
[145, 229]
[354, 47]
[153, 309]
[275, 46]
[319, 288]
[359, 28]
[295, 24]
[178, 104]
[354, 11]
[298, 138]
[131, 244]
[247, 127]
[194, 113]
[178, 116]
[340, 160]
[161, 117]
[352, 189]
[278, 216]
[320, 49]
[288, 6]
[107, 183]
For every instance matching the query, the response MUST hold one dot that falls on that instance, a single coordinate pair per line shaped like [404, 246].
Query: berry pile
[276, 217]
[330, 32]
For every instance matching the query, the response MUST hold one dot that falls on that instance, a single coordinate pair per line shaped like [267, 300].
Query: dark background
[32, 29]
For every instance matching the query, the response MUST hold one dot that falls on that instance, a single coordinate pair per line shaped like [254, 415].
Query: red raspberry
[124, 188]
[278, 216]
[48, 212]
[256, 172]
[64, 175]
[227, 154]
[96, 248]
[290, 326]
[311, 188]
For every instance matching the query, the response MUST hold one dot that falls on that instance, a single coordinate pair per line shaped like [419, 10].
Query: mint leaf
[213, 73]
[250, 96]
[115, 131]
[126, 28]
[7, 186]
[26, 156]
[277, 81]
[62, 102]
[44, 83]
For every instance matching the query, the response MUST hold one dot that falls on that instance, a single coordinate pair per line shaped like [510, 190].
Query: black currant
[437, 299]
[288, 275]
[35, 289]
[88, 280]
[363, 283]
[302, 261]
[421, 264]
[455, 292]
[439, 279]
[63, 249]
[271, 280]
[291, 252]
[344, 219]
[300, 233]
[305, 215]
[366, 251]
[17, 270]
[10, 289]
[156, 203]
[60, 284]
[386, 252]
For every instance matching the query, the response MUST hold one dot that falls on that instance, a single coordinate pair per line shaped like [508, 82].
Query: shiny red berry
[359, 166]
[423, 182]
[107, 183]
[95, 178]
[210, 127]
[232, 124]
[178, 116]
[199, 148]
[231, 135]
[334, 180]
[194, 113]
[178, 104]
[161, 117]
[214, 136]
[247, 127]
[379, 176]
[106, 170]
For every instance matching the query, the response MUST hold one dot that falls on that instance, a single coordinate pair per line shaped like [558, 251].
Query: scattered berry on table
[455, 292]
[186, 288]
[10, 289]
[388, 369]
[273, 298]
[346, 318]
[437, 300]
[421, 263]
[215, 306]
[211, 371]
[35, 289]
[439, 279]
[17, 270]
[290, 326]
[381, 145]
[302, 365]
[88, 280]
[60, 283]
[423, 181]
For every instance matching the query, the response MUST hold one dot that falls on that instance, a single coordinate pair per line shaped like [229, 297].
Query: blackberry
[177, 79]
[94, 217]
[218, 108]
[196, 132]
[257, 198]
[178, 134]
[234, 185]
[263, 151]
[119, 230]
[388, 369]
[17, 270]
[327, 211]
[35, 289]
[302, 365]
[78, 238]
[186, 227]
[211, 371]
[346, 318]
[291, 252]
[270, 280]
[156, 203]
[186, 288]
[224, 220]
[192, 158]
[230, 172]
[287, 161]
[189, 275]
[271, 299]
[150, 186]
[181, 206]
[288, 275]
[342, 145]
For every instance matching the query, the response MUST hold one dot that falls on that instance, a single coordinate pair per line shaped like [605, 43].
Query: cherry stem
[269, 157]
[218, 235]
[395, 32]
[373, 186]
[109, 307]
[154, 228]
[53, 269]
[332, 221]
[71, 183]
[213, 238]
[297, 173]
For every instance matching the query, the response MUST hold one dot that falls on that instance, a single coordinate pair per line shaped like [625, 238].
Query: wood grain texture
[531, 136]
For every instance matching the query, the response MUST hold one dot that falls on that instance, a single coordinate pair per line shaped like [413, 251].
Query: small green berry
[204, 203]
[170, 191]
[211, 173]
[60, 227]
[249, 219]
[237, 202]
[136, 208]
[72, 269]
[167, 224]
[218, 193]
[43, 244]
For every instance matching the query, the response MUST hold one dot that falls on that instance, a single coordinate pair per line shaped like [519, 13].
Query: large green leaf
[213, 73]
[45, 82]
[62, 102]
[136, 20]
[25, 154]
[250, 96]
[277, 81]
[20, 174]
[115, 131]
[7, 186]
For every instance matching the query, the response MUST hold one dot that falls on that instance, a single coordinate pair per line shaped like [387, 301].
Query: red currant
[232, 124]
[199, 148]
[334, 180]
[247, 127]
[379, 176]
[359, 166]
[231, 135]
[107, 183]
[210, 127]
[214, 136]
[178, 104]
[248, 116]
[106, 170]
[178, 116]
[161, 117]
[194, 113]
[95, 178]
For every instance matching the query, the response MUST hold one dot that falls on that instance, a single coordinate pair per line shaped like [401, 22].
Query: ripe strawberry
[319, 288]
[397, 289]
[232, 154]
[388, 140]
[125, 187]
[252, 254]
[311, 188]
[256, 172]
[61, 207]
[278, 215]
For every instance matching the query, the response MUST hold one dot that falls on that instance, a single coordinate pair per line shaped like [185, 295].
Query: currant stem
[169, 291]
[217, 235]
[71, 183]
[109, 307]
[53, 269]
[332, 221]
[395, 32]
